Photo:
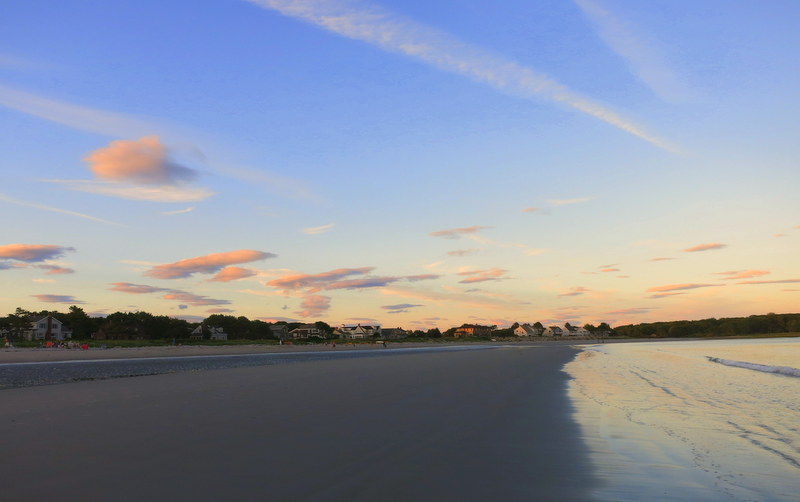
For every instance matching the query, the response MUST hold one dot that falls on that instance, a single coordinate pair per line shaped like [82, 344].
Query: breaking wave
[781, 370]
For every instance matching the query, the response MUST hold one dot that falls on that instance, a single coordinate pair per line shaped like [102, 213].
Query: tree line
[729, 326]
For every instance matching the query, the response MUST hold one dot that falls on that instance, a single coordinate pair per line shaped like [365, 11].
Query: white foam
[782, 370]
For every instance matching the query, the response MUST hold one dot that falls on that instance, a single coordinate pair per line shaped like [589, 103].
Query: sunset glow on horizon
[401, 163]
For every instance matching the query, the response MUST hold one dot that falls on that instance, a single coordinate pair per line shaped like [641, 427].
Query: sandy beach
[471, 425]
[20, 355]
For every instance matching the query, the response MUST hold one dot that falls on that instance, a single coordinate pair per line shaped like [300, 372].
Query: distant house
[197, 333]
[527, 330]
[575, 331]
[473, 330]
[214, 333]
[279, 331]
[357, 331]
[393, 333]
[217, 333]
[305, 331]
[553, 331]
[48, 328]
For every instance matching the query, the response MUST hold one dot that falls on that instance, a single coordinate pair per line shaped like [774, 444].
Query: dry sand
[20, 355]
[469, 426]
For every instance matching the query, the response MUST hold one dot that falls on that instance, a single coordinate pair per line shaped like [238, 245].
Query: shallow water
[679, 421]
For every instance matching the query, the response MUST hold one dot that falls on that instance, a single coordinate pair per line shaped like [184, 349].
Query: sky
[408, 163]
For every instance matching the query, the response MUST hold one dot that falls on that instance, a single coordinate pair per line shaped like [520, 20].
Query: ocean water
[691, 420]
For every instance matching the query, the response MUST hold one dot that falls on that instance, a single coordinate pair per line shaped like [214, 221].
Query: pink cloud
[420, 277]
[742, 274]
[145, 161]
[781, 281]
[661, 258]
[65, 299]
[136, 289]
[55, 269]
[455, 233]
[576, 291]
[32, 252]
[314, 306]
[462, 252]
[681, 287]
[530, 209]
[705, 247]
[228, 274]
[207, 264]
[192, 299]
[316, 281]
[664, 295]
[609, 270]
[630, 311]
[494, 274]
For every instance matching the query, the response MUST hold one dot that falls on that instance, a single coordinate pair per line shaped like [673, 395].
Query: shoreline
[37, 354]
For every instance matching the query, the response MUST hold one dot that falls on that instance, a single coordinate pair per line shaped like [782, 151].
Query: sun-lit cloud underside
[394, 33]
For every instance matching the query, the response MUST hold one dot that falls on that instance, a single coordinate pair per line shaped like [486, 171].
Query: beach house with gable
[48, 328]
[527, 330]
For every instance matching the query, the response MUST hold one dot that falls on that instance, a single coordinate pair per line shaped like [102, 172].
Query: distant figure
[384, 344]
[334, 344]
[85, 346]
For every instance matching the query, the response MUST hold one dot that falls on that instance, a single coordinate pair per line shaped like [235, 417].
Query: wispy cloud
[455, 233]
[10, 200]
[400, 308]
[704, 247]
[64, 299]
[318, 230]
[78, 117]
[55, 269]
[178, 211]
[661, 258]
[630, 311]
[494, 274]
[777, 281]
[163, 193]
[220, 310]
[463, 252]
[576, 291]
[397, 34]
[342, 278]
[207, 264]
[530, 210]
[645, 59]
[741, 274]
[170, 294]
[681, 287]
[566, 202]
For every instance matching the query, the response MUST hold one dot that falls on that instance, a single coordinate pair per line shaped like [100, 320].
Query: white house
[575, 331]
[553, 331]
[48, 327]
[527, 330]
[357, 332]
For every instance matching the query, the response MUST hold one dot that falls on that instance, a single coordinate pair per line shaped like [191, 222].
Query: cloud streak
[318, 230]
[681, 287]
[397, 34]
[455, 233]
[644, 59]
[64, 299]
[10, 200]
[705, 247]
[207, 264]
[494, 274]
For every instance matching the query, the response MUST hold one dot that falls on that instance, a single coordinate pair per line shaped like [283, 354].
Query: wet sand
[474, 425]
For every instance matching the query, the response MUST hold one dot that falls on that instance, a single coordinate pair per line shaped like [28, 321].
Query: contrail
[54, 209]
[394, 33]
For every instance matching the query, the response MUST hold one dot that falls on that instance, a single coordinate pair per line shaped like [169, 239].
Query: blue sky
[401, 162]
